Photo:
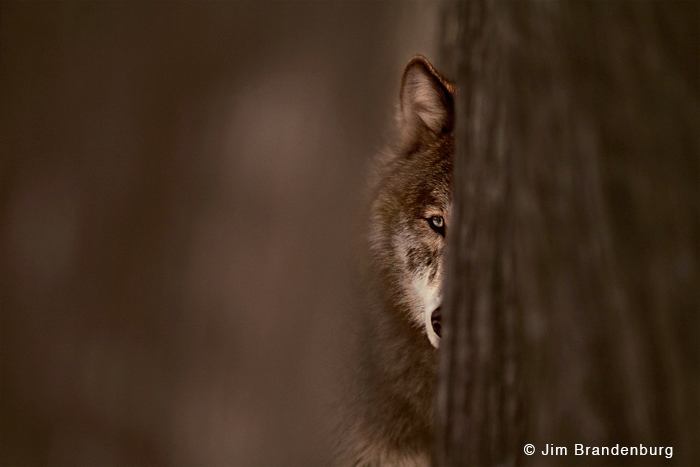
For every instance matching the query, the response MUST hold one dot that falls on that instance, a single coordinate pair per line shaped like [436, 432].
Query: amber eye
[437, 223]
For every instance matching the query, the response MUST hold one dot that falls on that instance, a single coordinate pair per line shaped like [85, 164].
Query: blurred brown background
[179, 190]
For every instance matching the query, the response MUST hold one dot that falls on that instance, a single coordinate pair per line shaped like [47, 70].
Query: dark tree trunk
[572, 294]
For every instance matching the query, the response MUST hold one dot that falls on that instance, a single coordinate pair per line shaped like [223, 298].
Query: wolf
[389, 419]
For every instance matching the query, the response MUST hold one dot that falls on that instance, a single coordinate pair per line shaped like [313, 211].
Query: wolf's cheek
[427, 287]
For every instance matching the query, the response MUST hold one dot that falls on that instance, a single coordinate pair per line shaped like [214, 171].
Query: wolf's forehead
[433, 189]
[433, 195]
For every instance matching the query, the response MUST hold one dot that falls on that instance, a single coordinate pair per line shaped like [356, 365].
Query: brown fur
[389, 421]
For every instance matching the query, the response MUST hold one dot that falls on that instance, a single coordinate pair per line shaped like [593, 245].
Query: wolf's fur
[390, 419]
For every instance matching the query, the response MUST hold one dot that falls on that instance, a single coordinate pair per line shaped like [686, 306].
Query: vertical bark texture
[572, 294]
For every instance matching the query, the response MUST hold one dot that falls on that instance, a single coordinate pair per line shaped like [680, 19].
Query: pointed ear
[427, 100]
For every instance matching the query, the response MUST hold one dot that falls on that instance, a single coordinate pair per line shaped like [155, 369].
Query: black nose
[436, 321]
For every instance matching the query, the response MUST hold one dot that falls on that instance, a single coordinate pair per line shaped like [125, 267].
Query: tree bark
[571, 309]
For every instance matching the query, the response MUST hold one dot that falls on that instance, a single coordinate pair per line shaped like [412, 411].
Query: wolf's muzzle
[436, 321]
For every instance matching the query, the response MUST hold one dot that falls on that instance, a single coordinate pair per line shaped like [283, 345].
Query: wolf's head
[410, 215]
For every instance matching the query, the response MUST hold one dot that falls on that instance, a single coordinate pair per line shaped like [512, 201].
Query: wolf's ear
[427, 100]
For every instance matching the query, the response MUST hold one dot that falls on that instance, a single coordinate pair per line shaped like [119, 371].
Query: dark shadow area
[572, 306]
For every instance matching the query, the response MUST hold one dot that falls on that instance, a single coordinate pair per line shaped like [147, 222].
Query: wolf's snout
[436, 321]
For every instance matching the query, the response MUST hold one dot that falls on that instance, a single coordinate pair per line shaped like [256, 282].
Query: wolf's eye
[437, 223]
